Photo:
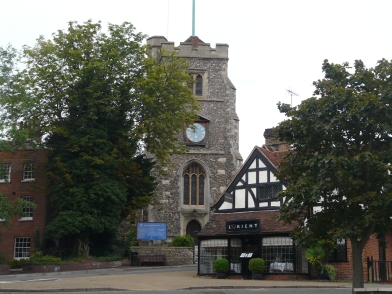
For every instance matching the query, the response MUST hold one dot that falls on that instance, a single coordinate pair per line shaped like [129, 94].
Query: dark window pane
[193, 190]
[186, 189]
[199, 85]
[201, 190]
[268, 192]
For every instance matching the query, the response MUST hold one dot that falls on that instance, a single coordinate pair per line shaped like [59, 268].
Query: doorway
[249, 245]
[193, 228]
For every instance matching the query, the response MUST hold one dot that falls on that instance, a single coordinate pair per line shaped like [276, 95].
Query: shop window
[194, 181]
[340, 252]
[5, 173]
[210, 250]
[235, 253]
[22, 248]
[278, 254]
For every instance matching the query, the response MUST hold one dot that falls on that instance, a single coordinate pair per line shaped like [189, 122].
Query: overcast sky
[273, 45]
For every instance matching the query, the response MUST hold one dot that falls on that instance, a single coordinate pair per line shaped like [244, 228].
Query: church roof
[268, 221]
[195, 41]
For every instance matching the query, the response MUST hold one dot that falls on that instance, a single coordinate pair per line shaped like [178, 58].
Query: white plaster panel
[275, 203]
[240, 198]
[251, 177]
[226, 205]
[263, 176]
[263, 204]
[251, 202]
[261, 164]
[273, 178]
[253, 165]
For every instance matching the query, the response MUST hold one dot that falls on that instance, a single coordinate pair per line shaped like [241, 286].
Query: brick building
[23, 175]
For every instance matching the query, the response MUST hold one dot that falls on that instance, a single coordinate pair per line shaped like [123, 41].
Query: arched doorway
[193, 228]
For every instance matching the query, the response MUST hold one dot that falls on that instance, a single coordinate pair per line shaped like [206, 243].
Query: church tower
[198, 177]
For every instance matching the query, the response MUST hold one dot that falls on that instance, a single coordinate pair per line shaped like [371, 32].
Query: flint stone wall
[174, 255]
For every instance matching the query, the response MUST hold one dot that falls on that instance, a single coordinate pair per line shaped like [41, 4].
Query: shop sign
[246, 255]
[238, 226]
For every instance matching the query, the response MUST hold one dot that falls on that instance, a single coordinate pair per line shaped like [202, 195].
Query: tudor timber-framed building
[245, 221]
[213, 158]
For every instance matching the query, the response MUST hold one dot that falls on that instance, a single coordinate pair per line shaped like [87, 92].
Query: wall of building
[174, 255]
[17, 188]
[219, 156]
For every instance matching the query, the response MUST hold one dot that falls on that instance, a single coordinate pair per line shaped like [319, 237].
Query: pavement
[136, 278]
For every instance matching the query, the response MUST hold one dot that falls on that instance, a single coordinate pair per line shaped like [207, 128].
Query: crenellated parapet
[193, 47]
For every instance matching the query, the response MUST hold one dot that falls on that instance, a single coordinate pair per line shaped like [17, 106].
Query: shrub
[315, 255]
[38, 258]
[221, 265]
[331, 271]
[14, 263]
[256, 265]
[60, 252]
[182, 241]
[3, 258]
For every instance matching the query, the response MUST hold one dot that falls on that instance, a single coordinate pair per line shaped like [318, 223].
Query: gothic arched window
[197, 85]
[194, 180]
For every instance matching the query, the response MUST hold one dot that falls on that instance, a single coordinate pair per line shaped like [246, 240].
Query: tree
[96, 101]
[9, 208]
[341, 151]
[9, 58]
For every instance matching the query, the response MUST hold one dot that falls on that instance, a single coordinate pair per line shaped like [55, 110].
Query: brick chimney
[272, 142]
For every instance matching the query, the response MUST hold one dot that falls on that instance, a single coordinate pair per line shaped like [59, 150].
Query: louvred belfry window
[194, 178]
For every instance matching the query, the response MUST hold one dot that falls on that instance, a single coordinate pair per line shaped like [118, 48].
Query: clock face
[197, 133]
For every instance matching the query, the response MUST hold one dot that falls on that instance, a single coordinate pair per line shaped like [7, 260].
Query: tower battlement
[193, 47]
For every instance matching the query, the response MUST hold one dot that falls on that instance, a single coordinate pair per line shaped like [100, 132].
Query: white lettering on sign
[246, 255]
[242, 226]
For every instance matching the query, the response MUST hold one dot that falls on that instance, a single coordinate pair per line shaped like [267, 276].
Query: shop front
[246, 239]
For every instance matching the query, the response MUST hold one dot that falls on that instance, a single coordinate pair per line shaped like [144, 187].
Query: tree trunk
[357, 249]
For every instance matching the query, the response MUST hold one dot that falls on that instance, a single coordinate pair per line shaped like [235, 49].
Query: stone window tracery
[198, 84]
[194, 181]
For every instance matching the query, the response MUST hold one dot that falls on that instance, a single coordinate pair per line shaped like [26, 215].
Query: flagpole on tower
[193, 18]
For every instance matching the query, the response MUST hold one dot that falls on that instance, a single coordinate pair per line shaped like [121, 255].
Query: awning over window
[220, 243]
[277, 241]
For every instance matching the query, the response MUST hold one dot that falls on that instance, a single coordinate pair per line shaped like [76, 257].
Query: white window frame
[28, 172]
[23, 250]
[4, 177]
[27, 210]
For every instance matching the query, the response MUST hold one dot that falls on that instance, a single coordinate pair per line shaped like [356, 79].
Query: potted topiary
[221, 266]
[330, 270]
[315, 255]
[257, 267]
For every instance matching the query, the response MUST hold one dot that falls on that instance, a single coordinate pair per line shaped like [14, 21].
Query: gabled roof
[274, 157]
[195, 41]
[270, 157]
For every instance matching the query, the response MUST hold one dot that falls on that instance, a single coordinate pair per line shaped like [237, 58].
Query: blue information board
[151, 231]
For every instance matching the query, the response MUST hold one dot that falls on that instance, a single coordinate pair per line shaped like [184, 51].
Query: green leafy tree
[9, 208]
[341, 142]
[97, 100]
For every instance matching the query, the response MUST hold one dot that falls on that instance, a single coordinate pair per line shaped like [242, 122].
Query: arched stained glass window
[194, 180]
